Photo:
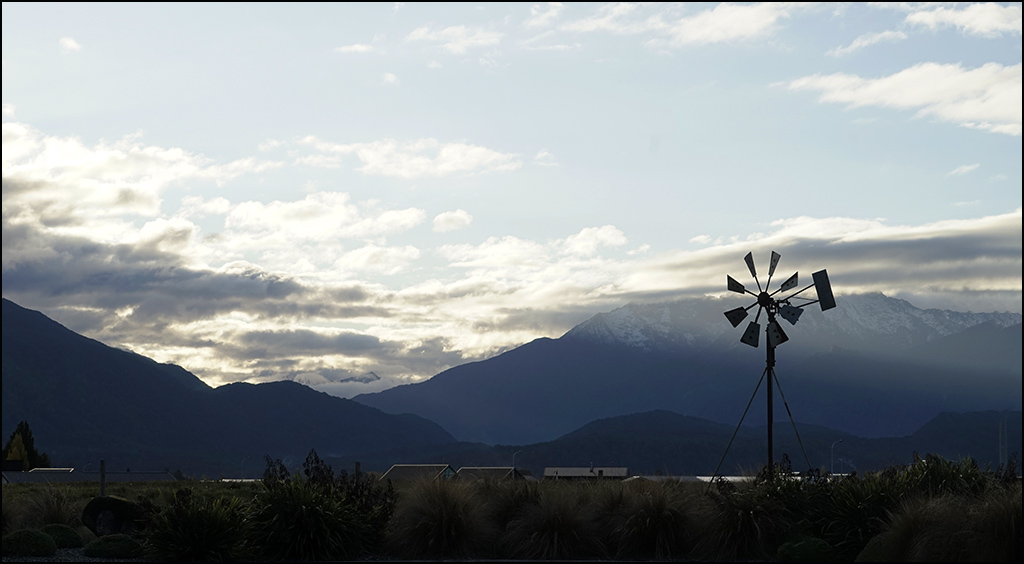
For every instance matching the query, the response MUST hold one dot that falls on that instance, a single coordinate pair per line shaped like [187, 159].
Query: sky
[320, 192]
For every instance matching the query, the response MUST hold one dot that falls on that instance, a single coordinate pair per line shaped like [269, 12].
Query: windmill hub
[764, 300]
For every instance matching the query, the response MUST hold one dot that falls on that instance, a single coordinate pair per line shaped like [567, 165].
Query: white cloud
[433, 65]
[729, 22]
[867, 40]
[318, 217]
[69, 45]
[456, 39]
[73, 180]
[615, 18]
[8, 109]
[542, 15]
[269, 145]
[354, 48]
[380, 260]
[726, 22]
[423, 157]
[390, 78]
[588, 241]
[544, 158]
[451, 221]
[987, 20]
[963, 169]
[987, 97]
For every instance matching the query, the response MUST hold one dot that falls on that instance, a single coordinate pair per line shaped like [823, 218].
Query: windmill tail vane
[778, 303]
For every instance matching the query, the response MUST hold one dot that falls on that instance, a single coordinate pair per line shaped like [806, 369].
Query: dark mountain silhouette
[662, 442]
[86, 401]
[875, 366]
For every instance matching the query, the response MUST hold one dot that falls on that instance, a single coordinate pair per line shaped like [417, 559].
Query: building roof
[419, 472]
[61, 475]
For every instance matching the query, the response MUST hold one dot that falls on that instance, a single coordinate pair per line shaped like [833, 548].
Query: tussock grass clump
[315, 516]
[197, 529]
[298, 520]
[55, 504]
[505, 499]
[653, 522]
[994, 525]
[561, 525]
[439, 519]
[750, 521]
[950, 528]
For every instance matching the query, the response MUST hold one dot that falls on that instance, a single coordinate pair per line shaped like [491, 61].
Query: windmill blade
[749, 259]
[774, 263]
[735, 316]
[751, 334]
[790, 283]
[790, 313]
[735, 286]
[776, 336]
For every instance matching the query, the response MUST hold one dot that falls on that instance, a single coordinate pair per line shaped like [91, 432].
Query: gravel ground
[67, 555]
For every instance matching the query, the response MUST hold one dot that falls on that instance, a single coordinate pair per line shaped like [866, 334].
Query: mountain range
[656, 387]
[873, 366]
[86, 401]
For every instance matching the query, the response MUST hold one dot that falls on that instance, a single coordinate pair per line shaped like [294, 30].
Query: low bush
[63, 535]
[117, 545]
[28, 542]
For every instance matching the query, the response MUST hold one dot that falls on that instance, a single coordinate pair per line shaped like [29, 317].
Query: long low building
[64, 475]
[586, 473]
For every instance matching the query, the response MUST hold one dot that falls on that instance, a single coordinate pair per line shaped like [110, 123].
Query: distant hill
[662, 442]
[86, 401]
[874, 366]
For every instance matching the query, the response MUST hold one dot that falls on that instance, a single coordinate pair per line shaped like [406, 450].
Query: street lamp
[833, 457]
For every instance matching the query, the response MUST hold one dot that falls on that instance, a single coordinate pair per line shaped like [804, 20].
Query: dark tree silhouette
[33, 457]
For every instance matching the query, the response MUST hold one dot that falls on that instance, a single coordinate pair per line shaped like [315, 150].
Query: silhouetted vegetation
[21, 446]
[932, 509]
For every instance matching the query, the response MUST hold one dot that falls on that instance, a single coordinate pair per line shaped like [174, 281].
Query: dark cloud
[305, 341]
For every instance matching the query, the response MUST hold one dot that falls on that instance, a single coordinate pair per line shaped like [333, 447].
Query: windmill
[773, 305]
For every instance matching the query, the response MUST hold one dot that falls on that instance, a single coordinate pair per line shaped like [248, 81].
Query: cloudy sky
[315, 192]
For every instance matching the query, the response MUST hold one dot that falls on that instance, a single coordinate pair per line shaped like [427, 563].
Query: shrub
[561, 525]
[653, 523]
[373, 502]
[504, 499]
[28, 542]
[194, 528]
[747, 522]
[63, 535]
[439, 519]
[295, 519]
[117, 545]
